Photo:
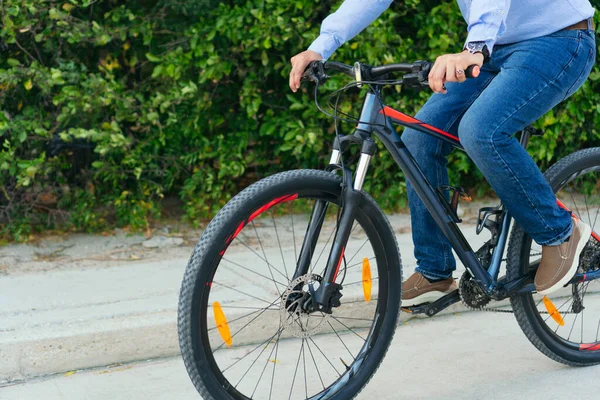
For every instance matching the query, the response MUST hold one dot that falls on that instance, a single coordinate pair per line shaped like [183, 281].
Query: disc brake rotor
[292, 311]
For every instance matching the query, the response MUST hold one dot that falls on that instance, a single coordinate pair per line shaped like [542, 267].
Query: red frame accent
[408, 120]
[339, 264]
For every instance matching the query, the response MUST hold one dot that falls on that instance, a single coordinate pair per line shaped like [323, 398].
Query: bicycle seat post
[526, 134]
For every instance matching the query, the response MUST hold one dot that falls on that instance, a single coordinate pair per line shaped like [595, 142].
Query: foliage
[107, 106]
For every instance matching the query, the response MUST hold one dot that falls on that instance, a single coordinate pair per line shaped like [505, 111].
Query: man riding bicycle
[533, 54]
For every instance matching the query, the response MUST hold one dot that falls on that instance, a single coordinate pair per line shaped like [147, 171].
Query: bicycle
[241, 312]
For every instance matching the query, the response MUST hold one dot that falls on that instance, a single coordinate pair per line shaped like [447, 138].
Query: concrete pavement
[474, 355]
[79, 310]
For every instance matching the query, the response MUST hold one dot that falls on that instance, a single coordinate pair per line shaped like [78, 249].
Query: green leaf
[152, 57]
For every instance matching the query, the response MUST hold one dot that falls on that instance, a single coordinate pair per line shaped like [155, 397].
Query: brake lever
[419, 77]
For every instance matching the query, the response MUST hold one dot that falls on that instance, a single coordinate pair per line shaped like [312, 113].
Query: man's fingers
[432, 74]
[296, 74]
[451, 72]
[438, 78]
[292, 84]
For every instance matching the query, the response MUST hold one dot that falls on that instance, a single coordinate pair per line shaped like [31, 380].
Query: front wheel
[243, 330]
[572, 334]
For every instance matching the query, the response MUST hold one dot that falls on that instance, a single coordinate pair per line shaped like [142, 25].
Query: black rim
[310, 354]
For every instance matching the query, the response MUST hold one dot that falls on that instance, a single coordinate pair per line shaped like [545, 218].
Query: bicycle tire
[524, 306]
[203, 263]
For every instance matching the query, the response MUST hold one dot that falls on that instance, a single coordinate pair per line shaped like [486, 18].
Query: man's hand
[299, 64]
[451, 68]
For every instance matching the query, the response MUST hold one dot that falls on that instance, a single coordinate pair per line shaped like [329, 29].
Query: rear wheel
[571, 336]
[242, 329]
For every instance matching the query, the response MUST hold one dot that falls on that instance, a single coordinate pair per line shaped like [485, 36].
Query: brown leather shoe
[418, 290]
[559, 263]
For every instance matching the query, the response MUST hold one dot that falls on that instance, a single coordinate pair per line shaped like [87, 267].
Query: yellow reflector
[221, 322]
[366, 279]
[553, 311]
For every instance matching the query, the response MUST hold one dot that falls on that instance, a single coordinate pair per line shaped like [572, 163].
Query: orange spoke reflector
[366, 279]
[551, 308]
[222, 324]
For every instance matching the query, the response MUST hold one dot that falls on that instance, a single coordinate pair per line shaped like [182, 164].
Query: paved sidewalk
[466, 356]
[73, 308]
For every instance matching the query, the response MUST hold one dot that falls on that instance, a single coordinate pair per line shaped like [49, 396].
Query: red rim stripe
[589, 346]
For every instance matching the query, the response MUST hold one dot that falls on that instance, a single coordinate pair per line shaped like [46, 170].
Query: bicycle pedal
[430, 309]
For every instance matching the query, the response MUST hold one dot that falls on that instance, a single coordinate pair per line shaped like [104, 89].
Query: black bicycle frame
[378, 120]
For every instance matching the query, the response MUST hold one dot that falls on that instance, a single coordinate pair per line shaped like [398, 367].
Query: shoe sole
[585, 237]
[428, 297]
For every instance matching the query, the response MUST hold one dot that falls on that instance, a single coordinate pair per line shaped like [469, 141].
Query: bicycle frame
[377, 119]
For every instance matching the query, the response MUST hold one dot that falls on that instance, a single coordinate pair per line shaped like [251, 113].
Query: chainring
[471, 294]
[293, 317]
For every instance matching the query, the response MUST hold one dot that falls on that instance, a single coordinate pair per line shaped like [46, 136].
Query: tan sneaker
[418, 290]
[559, 263]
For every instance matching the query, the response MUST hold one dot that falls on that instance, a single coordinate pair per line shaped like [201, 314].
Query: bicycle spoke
[317, 367]
[254, 272]
[279, 244]
[295, 371]
[233, 320]
[581, 327]
[247, 308]
[258, 255]
[255, 360]
[242, 328]
[265, 254]
[324, 356]
[357, 251]
[293, 232]
[357, 282]
[274, 366]
[596, 217]
[336, 334]
[304, 362]
[354, 319]
[587, 209]
[356, 301]
[350, 329]
[575, 204]
[266, 363]
[324, 247]
[252, 351]
[358, 263]
[573, 326]
[239, 291]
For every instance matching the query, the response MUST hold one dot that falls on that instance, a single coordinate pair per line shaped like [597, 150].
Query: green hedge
[109, 106]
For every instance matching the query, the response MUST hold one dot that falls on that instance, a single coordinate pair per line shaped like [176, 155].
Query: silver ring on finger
[460, 72]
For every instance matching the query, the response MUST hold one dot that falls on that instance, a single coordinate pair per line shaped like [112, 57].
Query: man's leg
[433, 252]
[535, 76]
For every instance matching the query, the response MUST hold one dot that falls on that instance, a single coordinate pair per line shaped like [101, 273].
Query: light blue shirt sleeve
[348, 21]
[487, 21]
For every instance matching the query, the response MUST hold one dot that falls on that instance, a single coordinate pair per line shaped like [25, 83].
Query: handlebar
[417, 73]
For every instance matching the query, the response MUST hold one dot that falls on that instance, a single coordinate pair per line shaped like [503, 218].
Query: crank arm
[430, 309]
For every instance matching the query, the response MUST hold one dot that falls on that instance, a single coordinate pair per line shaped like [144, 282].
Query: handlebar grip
[472, 71]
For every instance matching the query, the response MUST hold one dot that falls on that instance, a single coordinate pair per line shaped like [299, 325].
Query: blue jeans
[519, 84]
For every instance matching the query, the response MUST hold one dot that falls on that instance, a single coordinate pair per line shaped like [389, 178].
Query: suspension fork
[319, 210]
[328, 293]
